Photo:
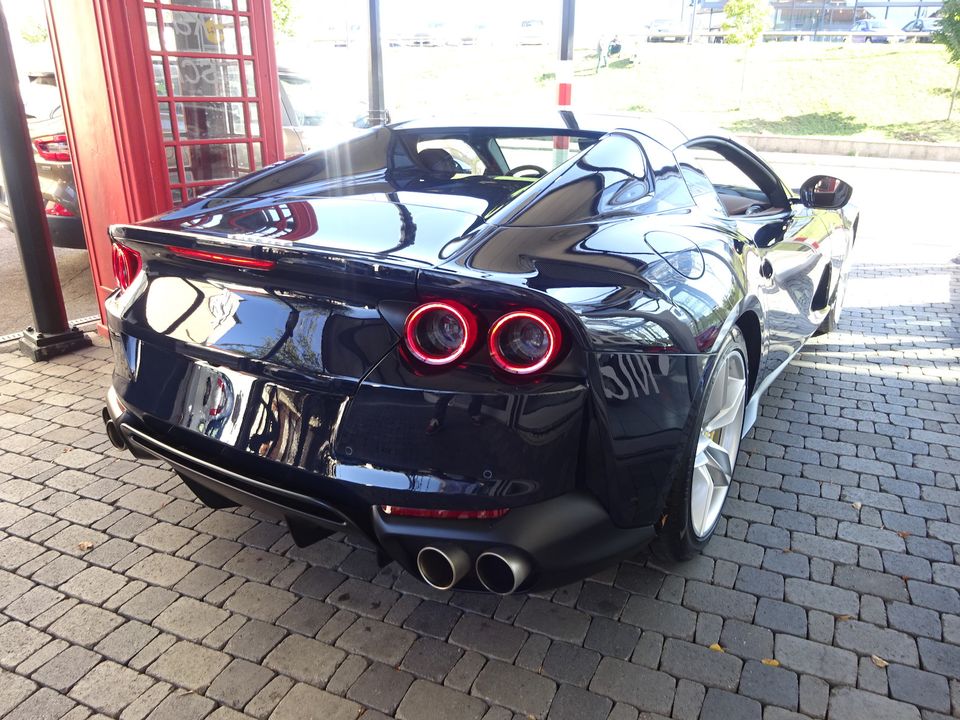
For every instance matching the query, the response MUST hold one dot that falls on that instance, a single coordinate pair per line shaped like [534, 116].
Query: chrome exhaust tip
[502, 571]
[113, 432]
[442, 567]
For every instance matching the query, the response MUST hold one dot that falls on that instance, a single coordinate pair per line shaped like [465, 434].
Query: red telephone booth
[163, 100]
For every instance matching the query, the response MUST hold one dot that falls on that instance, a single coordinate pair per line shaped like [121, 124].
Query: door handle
[766, 269]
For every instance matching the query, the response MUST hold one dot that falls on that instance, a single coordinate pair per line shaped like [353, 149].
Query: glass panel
[185, 31]
[205, 77]
[257, 156]
[172, 171]
[159, 81]
[204, 120]
[245, 35]
[153, 34]
[219, 161]
[165, 124]
[254, 120]
[193, 192]
[177, 196]
[211, 4]
[250, 79]
[242, 5]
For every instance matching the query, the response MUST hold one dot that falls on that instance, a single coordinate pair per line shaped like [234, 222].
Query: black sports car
[505, 354]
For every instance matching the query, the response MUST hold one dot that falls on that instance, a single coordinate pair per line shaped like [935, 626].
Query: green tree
[284, 17]
[34, 32]
[949, 36]
[745, 20]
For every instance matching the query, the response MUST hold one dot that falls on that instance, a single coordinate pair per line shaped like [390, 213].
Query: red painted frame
[110, 105]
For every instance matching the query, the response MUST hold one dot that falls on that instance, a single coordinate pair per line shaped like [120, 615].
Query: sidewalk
[121, 596]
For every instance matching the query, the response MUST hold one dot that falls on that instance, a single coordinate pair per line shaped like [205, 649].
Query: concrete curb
[817, 145]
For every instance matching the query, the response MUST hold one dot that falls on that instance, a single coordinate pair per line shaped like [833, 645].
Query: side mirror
[825, 193]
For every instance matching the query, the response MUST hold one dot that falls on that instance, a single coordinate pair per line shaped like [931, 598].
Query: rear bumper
[561, 539]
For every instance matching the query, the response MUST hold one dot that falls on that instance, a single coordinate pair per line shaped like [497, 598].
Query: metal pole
[823, 9]
[561, 143]
[50, 333]
[376, 112]
[693, 20]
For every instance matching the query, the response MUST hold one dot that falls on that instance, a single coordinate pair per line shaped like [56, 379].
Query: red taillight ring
[464, 317]
[126, 264]
[538, 316]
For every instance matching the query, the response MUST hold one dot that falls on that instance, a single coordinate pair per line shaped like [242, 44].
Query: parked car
[667, 31]
[505, 375]
[921, 25]
[307, 125]
[879, 31]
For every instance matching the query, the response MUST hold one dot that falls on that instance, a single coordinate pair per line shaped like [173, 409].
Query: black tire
[676, 539]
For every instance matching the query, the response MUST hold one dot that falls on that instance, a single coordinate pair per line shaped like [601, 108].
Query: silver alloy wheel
[718, 443]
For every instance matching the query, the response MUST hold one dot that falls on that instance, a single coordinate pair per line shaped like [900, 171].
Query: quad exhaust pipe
[113, 432]
[502, 571]
[443, 567]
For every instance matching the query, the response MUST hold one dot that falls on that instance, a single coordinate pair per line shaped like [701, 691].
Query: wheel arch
[749, 324]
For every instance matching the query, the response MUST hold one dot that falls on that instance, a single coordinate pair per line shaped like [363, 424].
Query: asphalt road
[906, 209]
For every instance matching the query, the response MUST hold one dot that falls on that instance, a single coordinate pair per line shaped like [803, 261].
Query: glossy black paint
[294, 377]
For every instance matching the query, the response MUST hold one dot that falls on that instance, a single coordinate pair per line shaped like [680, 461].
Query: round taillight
[126, 265]
[524, 341]
[438, 333]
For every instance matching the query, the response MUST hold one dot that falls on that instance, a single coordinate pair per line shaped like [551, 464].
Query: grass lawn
[865, 91]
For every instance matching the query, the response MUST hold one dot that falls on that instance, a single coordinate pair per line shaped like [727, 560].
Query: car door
[785, 258]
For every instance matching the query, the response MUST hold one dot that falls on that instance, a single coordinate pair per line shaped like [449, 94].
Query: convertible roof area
[663, 131]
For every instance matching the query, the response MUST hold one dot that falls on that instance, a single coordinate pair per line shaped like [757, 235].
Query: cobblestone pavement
[831, 589]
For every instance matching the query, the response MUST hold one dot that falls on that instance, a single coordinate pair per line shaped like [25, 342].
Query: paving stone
[190, 619]
[554, 620]
[14, 689]
[309, 703]
[428, 701]
[489, 637]
[934, 656]
[599, 599]
[688, 701]
[666, 618]
[433, 619]
[110, 687]
[648, 690]
[191, 666]
[377, 641]
[917, 687]
[364, 598]
[463, 674]
[238, 683]
[851, 704]
[612, 638]
[705, 666]
[867, 639]
[814, 696]
[770, 685]
[573, 703]
[431, 659]
[182, 706]
[85, 625]
[804, 656]
[381, 687]
[260, 602]
[942, 599]
[62, 671]
[746, 641]
[570, 664]
[45, 704]
[822, 597]
[35, 601]
[760, 582]
[722, 705]
[511, 687]
[727, 603]
[126, 641]
[533, 652]
[305, 659]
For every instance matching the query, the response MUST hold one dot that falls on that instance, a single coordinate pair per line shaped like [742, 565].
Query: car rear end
[440, 416]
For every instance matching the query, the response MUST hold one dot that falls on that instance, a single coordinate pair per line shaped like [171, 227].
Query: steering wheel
[515, 172]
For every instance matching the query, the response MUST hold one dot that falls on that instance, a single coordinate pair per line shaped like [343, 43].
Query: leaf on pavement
[878, 661]
[771, 662]
[716, 648]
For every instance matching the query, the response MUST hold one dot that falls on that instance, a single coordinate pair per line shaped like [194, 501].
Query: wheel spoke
[716, 456]
[734, 390]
